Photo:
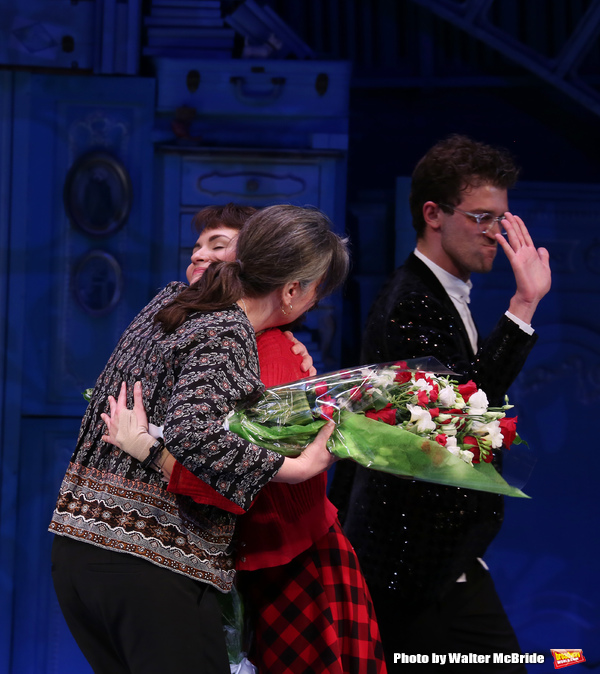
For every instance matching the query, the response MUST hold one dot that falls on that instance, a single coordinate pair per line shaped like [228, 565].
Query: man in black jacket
[421, 544]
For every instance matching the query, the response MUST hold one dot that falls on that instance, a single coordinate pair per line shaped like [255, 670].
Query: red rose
[508, 426]
[387, 415]
[401, 364]
[441, 439]
[402, 377]
[423, 375]
[467, 390]
[472, 446]
[434, 411]
[321, 388]
[434, 393]
[423, 398]
[355, 393]
[327, 412]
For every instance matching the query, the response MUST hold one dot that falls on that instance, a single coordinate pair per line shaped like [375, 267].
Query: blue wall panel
[7, 458]
[57, 342]
[66, 117]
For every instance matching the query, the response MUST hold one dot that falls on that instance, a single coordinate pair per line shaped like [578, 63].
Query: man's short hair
[453, 165]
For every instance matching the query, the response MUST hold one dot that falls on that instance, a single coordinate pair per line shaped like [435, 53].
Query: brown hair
[230, 215]
[453, 165]
[278, 244]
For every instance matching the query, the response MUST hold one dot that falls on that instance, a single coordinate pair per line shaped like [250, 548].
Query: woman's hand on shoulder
[299, 349]
[128, 429]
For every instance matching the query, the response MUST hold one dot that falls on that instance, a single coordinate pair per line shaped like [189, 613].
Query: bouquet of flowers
[408, 418]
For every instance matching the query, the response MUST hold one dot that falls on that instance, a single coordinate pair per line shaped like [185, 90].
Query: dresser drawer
[250, 180]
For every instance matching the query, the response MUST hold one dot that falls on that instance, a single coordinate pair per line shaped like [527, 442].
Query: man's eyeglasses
[485, 221]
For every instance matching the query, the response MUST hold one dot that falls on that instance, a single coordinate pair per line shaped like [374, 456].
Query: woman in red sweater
[310, 607]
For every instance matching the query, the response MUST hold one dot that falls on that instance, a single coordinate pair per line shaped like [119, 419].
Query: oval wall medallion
[98, 282]
[97, 193]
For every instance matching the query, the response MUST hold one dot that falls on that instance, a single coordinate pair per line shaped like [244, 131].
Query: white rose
[494, 433]
[422, 418]
[423, 385]
[463, 454]
[478, 403]
[383, 378]
[467, 456]
[448, 429]
[453, 449]
[447, 397]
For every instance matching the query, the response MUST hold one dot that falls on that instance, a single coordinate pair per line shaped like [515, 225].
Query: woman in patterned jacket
[306, 598]
[135, 566]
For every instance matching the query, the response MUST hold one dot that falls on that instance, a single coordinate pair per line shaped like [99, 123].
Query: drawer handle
[245, 94]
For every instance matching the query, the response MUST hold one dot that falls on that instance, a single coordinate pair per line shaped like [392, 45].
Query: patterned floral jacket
[191, 380]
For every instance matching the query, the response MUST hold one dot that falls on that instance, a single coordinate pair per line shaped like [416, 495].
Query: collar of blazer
[422, 271]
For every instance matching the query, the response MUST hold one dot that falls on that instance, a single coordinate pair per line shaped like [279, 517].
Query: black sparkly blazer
[414, 538]
[191, 379]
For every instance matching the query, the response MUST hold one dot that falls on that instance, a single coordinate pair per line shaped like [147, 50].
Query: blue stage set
[119, 119]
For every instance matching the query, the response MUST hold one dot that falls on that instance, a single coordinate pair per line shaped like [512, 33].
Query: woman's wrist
[154, 451]
[164, 463]
[292, 471]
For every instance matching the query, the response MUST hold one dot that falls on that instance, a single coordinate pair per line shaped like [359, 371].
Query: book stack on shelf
[187, 29]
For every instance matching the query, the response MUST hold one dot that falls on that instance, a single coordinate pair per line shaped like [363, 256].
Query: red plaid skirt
[314, 614]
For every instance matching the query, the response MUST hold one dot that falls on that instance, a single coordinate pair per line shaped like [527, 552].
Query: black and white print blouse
[191, 379]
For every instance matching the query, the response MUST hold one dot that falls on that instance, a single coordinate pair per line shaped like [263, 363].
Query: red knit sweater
[284, 519]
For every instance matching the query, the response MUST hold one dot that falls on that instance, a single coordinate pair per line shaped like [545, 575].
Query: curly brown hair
[453, 165]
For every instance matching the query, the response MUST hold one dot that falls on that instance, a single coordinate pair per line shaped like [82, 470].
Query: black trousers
[469, 618]
[130, 616]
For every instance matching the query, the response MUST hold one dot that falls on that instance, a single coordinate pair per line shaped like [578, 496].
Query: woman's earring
[284, 312]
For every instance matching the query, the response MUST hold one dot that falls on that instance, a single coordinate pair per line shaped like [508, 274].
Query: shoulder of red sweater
[278, 365]
[275, 343]
[273, 336]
